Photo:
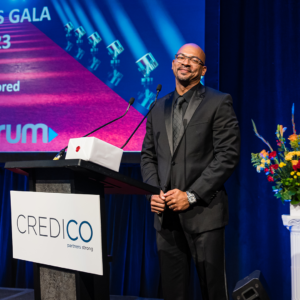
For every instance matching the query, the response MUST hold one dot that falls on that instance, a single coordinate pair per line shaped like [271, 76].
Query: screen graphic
[67, 67]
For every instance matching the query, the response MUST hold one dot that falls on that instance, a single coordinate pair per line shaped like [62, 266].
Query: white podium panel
[96, 151]
[292, 223]
[62, 230]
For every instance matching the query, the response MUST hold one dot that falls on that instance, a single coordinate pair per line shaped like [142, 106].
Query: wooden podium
[79, 177]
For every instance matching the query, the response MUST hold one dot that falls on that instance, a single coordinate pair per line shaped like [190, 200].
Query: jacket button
[173, 163]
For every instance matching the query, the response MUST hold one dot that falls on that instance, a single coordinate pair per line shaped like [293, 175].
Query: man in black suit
[191, 147]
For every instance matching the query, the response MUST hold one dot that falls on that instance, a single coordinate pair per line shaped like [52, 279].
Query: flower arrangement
[281, 167]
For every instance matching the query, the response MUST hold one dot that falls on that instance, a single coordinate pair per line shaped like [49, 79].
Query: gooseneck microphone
[61, 153]
[131, 100]
[158, 89]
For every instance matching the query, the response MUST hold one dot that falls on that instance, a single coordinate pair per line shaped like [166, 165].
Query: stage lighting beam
[170, 36]
[82, 17]
[129, 32]
[100, 23]
[60, 12]
[72, 18]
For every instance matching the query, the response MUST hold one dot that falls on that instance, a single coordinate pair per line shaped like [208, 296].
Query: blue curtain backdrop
[259, 67]
[12, 273]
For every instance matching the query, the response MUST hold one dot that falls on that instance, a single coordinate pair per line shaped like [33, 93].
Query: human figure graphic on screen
[190, 149]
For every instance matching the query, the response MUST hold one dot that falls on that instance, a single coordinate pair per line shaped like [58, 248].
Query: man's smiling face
[187, 72]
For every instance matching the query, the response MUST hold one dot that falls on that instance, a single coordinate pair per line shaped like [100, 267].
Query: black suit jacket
[204, 159]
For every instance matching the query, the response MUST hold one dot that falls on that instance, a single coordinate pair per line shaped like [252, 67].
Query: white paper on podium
[62, 230]
[96, 151]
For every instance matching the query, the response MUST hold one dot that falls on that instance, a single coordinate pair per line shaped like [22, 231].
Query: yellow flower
[294, 162]
[289, 156]
[262, 166]
[292, 173]
[263, 161]
[295, 177]
[298, 173]
[259, 168]
[297, 153]
[268, 161]
[282, 164]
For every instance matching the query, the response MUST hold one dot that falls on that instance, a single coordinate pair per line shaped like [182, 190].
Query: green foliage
[295, 144]
[281, 139]
[287, 189]
[296, 198]
[285, 184]
[256, 159]
[281, 148]
[286, 195]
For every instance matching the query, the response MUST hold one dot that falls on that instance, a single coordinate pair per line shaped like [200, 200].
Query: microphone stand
[158, 89]
[62, 152]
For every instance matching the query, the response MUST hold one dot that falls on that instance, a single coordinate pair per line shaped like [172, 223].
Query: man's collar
[187, 95]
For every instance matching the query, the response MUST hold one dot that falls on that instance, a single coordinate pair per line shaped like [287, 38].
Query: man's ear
[204, 71]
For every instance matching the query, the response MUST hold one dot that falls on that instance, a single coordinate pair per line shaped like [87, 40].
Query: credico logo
[79, 231]
[53, 228]
[21, 133]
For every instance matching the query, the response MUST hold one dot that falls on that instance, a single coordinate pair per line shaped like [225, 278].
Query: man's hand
[177, 200]
[158, 203]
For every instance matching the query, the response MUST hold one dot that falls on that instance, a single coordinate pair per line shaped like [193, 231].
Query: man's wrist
[191, 198]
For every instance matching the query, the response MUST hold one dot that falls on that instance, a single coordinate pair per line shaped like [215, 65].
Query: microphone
[158, 89]
[62, 152]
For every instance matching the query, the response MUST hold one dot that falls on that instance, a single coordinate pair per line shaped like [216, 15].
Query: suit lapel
[169, 120]
[193, 105]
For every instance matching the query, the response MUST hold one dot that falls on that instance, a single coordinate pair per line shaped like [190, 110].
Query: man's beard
[184, 80]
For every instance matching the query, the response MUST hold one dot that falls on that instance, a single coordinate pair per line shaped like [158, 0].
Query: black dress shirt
[187, 97]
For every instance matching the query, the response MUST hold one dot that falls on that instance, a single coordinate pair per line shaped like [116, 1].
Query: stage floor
[27, 294]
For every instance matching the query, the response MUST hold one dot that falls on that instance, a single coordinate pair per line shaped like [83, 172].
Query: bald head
[193, 50]
[186, 68]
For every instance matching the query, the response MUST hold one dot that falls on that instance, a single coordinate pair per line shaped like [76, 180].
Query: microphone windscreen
[158, 89]
[131, 100]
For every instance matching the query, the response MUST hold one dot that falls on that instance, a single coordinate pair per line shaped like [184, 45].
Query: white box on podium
[96, 151]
